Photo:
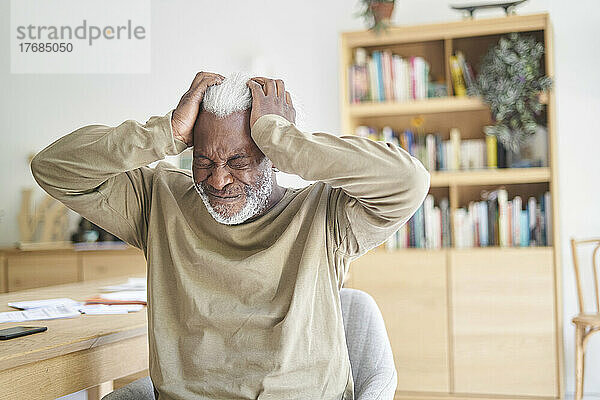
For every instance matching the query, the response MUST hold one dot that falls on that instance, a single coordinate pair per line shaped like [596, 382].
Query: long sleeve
[376, 186]
[101, 172]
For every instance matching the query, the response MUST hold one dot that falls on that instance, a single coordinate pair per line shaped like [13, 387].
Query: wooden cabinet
[468, 322]
[98, 265]
[503, 321]
[21, 270]
[28, 270]
[411, 294]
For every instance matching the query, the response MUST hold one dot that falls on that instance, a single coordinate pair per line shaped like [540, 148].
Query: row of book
[437, 154]
[497, 221]
[429, 227]
[493, 221]
[384, 76]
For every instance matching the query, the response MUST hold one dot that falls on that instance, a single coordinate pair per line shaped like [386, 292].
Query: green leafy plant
[375, 23]
[510, 82]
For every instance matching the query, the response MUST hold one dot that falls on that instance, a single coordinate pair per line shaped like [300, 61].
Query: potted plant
[510, 82]
[377, 14]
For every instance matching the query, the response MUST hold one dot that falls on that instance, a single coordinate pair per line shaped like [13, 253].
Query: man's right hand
[184, 116]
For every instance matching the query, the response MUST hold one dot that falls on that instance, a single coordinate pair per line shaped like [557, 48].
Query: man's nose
[219, 178]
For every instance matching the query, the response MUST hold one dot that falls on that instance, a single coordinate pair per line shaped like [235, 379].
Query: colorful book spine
[419, 228]
[474, 220]
[386, 66]
[379, 68]
[516, 233]
[428, 221]
[502, 217]
[524, 232]
[457, 77]
[491, 151]
[468, 76]
[509, 221]
[445, 221]
[483, 225]
[455, 140]
[372, 67]
[531, 206]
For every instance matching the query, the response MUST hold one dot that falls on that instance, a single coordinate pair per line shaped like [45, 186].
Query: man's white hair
[231, 95]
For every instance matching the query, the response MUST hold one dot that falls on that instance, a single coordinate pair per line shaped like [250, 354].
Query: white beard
[257, 198]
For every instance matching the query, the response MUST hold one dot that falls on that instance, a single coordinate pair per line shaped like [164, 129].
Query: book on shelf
[458, 82]
[491, 151]
[461, 73]
[385, 76]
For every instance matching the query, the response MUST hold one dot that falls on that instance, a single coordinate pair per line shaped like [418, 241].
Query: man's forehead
[239, 151]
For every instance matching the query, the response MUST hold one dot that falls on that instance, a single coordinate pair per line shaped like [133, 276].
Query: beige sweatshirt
[247, 311]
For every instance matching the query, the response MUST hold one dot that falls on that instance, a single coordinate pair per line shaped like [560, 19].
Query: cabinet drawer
[99, 265]
[26, 271]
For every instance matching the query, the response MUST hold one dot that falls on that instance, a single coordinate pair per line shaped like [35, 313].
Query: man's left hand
[269, 97]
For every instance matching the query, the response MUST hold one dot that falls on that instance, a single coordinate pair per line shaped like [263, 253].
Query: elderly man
[243, 274]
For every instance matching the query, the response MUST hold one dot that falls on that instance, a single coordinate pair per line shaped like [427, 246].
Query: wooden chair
[588, 319]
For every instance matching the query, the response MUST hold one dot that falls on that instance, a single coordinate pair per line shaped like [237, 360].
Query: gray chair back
[369, 349]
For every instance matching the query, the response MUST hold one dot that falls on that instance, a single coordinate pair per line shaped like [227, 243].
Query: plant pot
[382, 11]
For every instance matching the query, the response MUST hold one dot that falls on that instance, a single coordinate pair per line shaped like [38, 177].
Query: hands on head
[268, 97]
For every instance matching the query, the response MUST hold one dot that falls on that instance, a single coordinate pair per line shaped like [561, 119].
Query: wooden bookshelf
[476, 323]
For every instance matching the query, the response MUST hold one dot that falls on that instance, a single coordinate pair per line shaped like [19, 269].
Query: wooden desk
[86, 352]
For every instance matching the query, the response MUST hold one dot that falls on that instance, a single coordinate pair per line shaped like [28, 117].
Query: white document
[99, 309]
[127, 295]
[131, 284]
[27, 305]
[50, 312]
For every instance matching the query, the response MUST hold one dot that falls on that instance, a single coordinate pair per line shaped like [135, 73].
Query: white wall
[298, 41]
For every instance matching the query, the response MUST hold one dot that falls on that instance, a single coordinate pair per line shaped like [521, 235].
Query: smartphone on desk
[16, 331]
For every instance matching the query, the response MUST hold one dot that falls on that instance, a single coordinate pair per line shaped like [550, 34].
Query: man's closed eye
[237, 163]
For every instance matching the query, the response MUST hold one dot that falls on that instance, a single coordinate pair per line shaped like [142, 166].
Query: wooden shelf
[447, 30]
[432, 105]
[381, 249]
[491, 176]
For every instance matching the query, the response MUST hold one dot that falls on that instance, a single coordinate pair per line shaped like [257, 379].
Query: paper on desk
[50, 312]
[127, 295]
[27, 305]
[131, 284]
[98, 309]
